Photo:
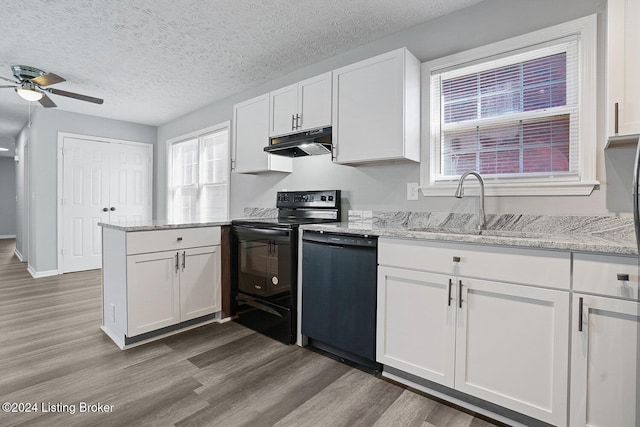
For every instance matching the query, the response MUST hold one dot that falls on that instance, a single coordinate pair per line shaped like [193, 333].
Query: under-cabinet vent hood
[309, 143]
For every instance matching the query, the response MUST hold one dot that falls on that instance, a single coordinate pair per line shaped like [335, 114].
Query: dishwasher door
[339, 293]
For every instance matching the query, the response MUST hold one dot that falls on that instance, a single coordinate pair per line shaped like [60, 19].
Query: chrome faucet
[482, 222]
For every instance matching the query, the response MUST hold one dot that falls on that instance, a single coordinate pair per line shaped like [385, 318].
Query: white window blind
[198, 187]
[511, 117]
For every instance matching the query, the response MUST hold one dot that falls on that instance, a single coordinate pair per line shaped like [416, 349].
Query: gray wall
[21, 222]
[43, 135]
[7, 196]
[383, 186]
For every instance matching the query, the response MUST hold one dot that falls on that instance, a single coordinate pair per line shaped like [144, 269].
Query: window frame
[581, 183]
[200, 181]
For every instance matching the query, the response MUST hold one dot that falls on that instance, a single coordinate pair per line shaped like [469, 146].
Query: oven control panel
[308, 199]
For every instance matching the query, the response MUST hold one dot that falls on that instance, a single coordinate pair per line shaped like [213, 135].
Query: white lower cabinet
[605, 347]
[155, 279]
[416, 324]
[170, 287]
[502, 341]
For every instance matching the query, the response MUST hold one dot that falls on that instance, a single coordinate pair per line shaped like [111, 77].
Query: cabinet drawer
[175, 239]
[506, 264]
[606, 275]
[417, 255]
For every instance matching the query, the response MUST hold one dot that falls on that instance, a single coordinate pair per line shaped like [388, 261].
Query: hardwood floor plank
[355, 399]
[409, 410]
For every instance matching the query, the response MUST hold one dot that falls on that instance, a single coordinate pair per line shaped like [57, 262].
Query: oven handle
[254, 231]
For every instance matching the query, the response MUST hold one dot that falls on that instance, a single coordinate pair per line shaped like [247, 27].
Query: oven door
[264, 260]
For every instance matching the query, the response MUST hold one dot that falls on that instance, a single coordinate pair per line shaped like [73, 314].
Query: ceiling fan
[30, 84]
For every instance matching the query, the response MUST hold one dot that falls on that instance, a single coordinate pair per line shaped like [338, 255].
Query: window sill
[576, 188]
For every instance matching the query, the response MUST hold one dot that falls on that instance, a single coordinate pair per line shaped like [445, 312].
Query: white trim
[8, 236]
[586, 30]
[39, 274]
[18, 254]
[60, 189]
[196, 134]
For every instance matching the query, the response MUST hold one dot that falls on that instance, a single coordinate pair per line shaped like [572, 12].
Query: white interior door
[85, 198]
[130, 183]
[102, 182]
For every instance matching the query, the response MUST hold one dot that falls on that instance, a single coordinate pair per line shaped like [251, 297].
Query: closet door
[102, 182]
[85, 202]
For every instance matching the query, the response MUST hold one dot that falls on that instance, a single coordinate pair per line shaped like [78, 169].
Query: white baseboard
[19, 255]
[8, 236]
[40, 274]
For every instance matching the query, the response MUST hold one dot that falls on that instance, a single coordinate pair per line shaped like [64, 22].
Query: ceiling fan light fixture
[28, 93]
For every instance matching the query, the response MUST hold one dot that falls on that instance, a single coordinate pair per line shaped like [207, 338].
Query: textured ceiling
[155, 60]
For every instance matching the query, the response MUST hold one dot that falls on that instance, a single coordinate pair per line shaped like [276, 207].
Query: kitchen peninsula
[159, 278]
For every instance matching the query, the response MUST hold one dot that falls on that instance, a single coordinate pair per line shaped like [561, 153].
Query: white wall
[383, 186]
[7, 196]
[43, 137]
[21, 139]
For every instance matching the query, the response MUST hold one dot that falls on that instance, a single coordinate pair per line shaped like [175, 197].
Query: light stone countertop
[595, 234]
[130, 226]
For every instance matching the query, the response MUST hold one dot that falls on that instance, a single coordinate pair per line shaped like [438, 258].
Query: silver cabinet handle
[293, 121]
[456, 259]
[460, 290]
[298, 117]
[177, 261]
[623, 277]
[580, 313]
[184, 260]
[616, 110]
[450, 286]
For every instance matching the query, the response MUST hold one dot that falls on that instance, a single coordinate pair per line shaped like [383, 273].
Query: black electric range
[265, 261]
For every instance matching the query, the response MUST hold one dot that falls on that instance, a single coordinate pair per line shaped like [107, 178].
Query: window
[521, 112]
[199, 175]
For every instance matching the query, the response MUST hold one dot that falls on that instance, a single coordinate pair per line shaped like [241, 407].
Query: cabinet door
[200, 284]
[251, 135]
[416, 323]
[623, 62]
[153, 292]
[512, 347]
[314, 102]
[604, 362]
[283, 108]
[372, 118]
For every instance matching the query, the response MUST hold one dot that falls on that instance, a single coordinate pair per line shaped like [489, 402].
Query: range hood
[308, 143]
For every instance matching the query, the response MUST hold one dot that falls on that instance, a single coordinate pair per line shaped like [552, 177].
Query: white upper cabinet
[376, 109]
[623, 61]
[301, 106]
[251, 135]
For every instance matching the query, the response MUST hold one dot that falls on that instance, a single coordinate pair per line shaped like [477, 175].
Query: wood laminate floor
[53, 356]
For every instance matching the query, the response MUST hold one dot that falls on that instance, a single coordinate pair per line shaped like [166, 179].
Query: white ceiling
[155, 60]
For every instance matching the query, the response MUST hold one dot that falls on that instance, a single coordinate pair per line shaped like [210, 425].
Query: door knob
[112, 209]
[105, 209]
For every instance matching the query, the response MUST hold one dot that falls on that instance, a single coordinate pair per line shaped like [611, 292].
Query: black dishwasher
[339, 292]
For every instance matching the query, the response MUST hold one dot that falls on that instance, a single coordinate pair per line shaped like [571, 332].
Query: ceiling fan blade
[7, 86]
[46, 102]
[75, 96]
[48, 79]
[9, 80]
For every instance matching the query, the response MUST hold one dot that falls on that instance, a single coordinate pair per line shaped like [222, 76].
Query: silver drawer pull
[179, 239]
[456, 259]
[623, 277]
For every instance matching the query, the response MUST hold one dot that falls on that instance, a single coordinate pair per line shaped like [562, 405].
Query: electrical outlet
[412, 191]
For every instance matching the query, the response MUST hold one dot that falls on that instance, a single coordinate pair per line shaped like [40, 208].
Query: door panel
[200, 285]
[604, 362]
[416, 323]
[85, 194]
[97, 176]
[511, 347]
